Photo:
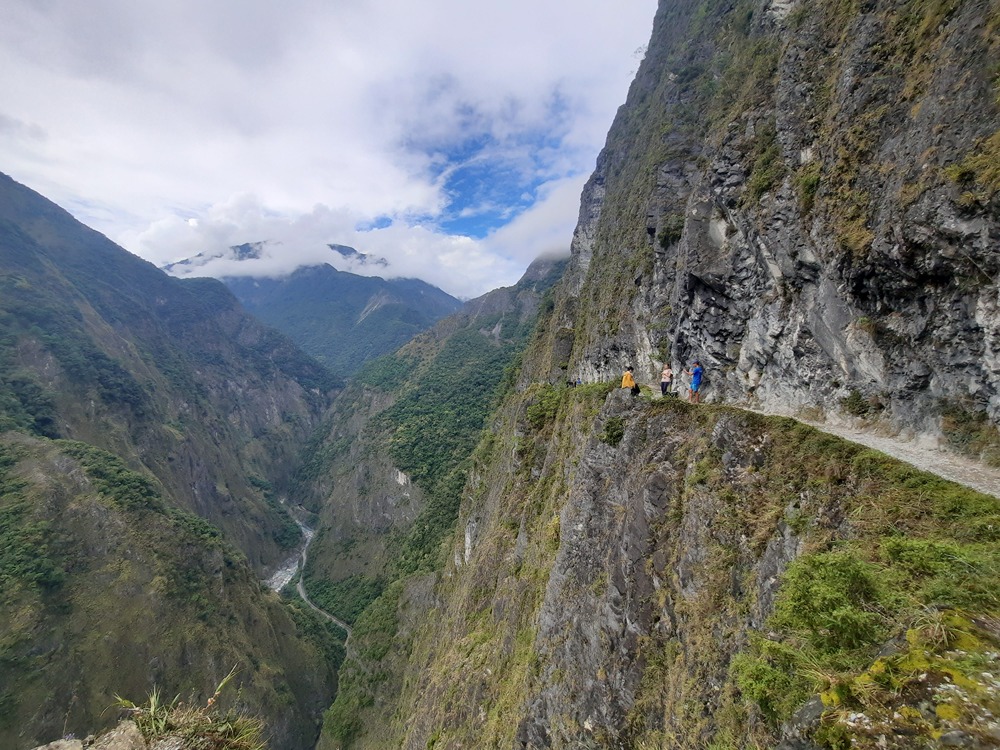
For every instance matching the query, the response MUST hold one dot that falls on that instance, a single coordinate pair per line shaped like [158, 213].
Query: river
[296, 563]
[280, 578]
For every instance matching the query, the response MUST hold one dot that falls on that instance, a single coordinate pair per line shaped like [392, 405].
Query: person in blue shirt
[696, 372]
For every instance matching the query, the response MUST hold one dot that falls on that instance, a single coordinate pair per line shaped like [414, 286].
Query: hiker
[694, 396]
[629, 382]
[666, 379]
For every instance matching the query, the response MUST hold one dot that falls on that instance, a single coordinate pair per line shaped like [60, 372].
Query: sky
[450, 137]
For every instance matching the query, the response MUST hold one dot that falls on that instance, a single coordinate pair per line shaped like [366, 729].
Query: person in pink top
[666, 379]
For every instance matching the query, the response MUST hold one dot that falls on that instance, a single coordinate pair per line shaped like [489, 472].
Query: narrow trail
[950, 466]
[947, 465]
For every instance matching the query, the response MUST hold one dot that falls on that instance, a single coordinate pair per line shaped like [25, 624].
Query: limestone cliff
[657, 575]
[804, 196]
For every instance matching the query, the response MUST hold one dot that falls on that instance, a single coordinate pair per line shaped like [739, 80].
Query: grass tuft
[200, 727]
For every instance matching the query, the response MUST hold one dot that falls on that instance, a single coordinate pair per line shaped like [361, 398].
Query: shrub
[769, 679]
[970, 432]
[614, 431]
[196, 726]
[856, 404]
[673, 228]
[832, 600]
[543, 410]
[807, 182]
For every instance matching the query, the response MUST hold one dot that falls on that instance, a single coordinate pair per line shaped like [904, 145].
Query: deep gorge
[802, 196]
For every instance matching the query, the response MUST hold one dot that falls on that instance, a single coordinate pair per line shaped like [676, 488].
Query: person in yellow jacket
[629, 382]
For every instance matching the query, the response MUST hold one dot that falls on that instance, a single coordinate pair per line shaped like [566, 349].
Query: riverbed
[280, 578]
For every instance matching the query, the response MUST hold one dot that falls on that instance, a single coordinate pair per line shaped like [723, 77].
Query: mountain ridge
[148, 429]
[93, 332]
[341, 318]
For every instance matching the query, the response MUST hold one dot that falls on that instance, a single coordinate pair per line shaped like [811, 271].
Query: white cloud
[300, 121]
[544, 229]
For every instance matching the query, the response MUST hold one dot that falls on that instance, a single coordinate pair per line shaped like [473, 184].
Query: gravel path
[947, 465]
[295, 564]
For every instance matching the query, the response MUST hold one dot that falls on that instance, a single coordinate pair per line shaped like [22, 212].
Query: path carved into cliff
[950, 466]
[947, 465]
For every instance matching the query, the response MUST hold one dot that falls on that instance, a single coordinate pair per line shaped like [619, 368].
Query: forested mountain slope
[171, 375]
[109, 590]
[390, 472]
[804, 197]
[341, 318]
[147, 429]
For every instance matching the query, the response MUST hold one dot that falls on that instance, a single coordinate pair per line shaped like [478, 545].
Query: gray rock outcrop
[821, 244]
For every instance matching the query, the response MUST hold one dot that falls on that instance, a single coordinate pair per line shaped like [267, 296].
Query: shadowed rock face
[638, 569]
[807, 235]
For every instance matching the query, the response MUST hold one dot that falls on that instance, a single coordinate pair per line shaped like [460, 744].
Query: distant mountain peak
[264, 250]
[363, 259]
[343, 318]
[246, 251]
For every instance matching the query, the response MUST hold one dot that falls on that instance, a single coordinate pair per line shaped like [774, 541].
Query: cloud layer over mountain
[451, 138]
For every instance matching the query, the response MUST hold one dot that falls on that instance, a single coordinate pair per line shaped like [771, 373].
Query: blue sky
[451, 138]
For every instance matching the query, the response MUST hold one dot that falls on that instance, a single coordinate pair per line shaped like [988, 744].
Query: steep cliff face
[390, 474]
[804, 197]
[647, 575]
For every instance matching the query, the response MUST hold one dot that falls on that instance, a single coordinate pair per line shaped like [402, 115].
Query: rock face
[628, 582]
[800, 200]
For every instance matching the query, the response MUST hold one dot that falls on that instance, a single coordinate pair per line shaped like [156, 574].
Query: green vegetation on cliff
[434, 398]
[108, 589]
[876, 582]
[910, 584]
[433, 427]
